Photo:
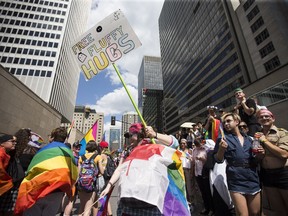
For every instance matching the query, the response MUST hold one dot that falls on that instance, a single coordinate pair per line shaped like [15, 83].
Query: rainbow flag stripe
[215, 129]
[90, 135]
[53, 167]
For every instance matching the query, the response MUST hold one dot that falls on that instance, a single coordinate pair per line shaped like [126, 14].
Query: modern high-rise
[201, 62]
[150, 91]
[35, 40]
[127, 119]
[209, 48]
[84, 118]
[114, 139]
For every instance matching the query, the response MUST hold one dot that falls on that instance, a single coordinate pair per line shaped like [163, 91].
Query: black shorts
[277, 178]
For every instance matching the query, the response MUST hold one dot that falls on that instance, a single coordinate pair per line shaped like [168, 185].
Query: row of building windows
[266, 49]
[25, 51]
[31, 8]
[257, 24]
[272, 64]
[30, 33]
[41, 2]
[26, 61]
[28, 42]
[253, 13]
[262, 36]
[31, 24]
[247, 4]
[36, 16]
[273, 95]
[33, 16]
[30, 72]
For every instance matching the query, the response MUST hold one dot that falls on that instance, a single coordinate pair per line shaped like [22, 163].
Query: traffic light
[113, 119]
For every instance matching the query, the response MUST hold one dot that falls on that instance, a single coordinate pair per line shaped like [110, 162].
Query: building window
[16, 60]
[28, 61]
[262, 36]
[253, 13]
[25, 72]
[49, 73]
[272, 64]
[18, 72]
[266, 49]
[257, 24]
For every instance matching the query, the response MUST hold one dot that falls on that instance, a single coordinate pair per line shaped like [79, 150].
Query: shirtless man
[274, 166]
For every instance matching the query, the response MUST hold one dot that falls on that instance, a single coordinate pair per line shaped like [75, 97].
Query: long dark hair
[23, 137]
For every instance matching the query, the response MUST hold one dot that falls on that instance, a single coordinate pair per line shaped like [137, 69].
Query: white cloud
[116, 102]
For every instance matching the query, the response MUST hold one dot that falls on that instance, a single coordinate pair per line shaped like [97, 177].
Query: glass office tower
[35, 37]
[201, 62]
[150, 91]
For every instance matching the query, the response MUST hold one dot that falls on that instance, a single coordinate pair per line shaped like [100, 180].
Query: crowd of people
[237, 160]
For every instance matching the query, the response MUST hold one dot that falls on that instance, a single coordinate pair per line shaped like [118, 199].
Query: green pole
[135, 107]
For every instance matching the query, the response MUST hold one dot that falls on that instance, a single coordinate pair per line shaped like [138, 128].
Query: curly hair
[23, 137]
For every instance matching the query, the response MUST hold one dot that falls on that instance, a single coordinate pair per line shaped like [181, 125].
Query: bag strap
[92, 157]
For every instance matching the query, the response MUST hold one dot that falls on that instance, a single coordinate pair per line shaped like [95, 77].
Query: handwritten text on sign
[105, 43]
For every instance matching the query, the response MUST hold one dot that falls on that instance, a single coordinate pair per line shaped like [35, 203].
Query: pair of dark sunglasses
[242, 126]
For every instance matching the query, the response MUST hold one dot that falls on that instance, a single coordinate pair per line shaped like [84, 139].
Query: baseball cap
[238, 90]
[103, 144]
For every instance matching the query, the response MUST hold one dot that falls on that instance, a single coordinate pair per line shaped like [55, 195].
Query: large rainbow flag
[53, 167]
[154, 174]
[90, 135]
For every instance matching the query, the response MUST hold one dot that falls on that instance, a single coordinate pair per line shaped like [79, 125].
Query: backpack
[110, 168]
[88, 174]
[16, 171]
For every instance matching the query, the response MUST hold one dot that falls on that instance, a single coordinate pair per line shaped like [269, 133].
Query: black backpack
[110, 168]
[15, 170]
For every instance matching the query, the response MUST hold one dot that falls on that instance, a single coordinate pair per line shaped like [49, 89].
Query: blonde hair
[234, 116]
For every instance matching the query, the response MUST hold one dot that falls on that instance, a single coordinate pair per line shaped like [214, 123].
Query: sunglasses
[243, 126]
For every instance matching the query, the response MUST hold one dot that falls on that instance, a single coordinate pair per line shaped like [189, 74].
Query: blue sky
[104, 92]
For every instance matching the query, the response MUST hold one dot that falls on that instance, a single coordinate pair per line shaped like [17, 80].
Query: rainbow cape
[90, 135]
[53, 167]
[154, 174]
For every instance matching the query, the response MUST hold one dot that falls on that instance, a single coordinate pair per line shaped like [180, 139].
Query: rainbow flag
[154, 174]
[53, 167]
[103, 203]
[215, 129]
[90, 135]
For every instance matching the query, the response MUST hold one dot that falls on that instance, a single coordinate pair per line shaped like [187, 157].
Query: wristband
[156, 135]
[110, 184]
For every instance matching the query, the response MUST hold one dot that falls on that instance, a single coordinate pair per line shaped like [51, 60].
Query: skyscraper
[127, 119]
[35, 38]
[150, 91]
[208, 48]
[201, 62]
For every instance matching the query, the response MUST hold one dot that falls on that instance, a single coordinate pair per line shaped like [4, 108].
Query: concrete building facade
[22, 108]
[127, 119]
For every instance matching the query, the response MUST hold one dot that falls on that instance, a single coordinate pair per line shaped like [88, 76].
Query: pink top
[199, 157]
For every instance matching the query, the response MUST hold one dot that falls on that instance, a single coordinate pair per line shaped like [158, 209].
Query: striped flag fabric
[53, 167]
[103, 204]
[215, 129]
[154, 174]
[90, 135]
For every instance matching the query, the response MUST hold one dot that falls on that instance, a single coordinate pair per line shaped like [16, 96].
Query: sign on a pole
[105, 43]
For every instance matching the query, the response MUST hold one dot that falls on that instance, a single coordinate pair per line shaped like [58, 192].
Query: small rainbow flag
[215, 129]
[53, 167]
[90, 135]
[154, 174]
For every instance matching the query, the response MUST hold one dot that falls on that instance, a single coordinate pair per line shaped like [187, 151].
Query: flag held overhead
[105, 43]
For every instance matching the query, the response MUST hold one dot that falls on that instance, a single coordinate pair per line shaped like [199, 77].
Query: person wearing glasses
[242, 176]
[7, 144]
[243, 127]
[246, 109]
[274, 166]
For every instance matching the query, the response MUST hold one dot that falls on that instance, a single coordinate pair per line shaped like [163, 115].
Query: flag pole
[131, 99]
